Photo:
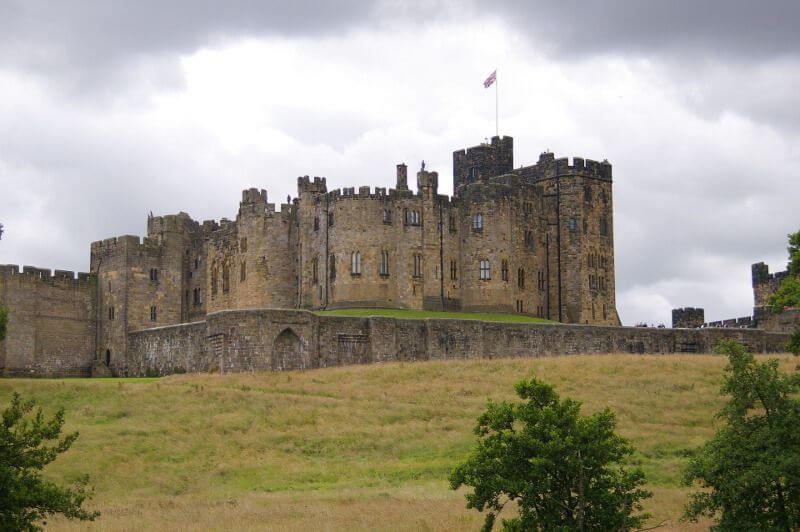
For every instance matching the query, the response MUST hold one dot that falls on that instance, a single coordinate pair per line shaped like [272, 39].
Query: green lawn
[348, 448]
[422, 314]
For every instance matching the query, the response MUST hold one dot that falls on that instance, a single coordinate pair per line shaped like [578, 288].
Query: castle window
[243, 272]
[333, 267]
[504, 270]
[387, 216]
[108, 357]
[355, 263]
[417, 270]
[186, 298]
[541, 281]
[153, 314]
[527, 208]
[196, 296]
[412, 217]
[473, 172]
[189, 274]
[111, 312]
[384, 271]
[330, 219]
[585, 226]
[316, 223]
[453, 270]
[226, 279]
[452, 223]
[573, 224]
[587, 193]
[214, 272]
[477, 222]
[529, 240]
[603, 227]
[604, 311]
[196, 263]
[519, 306]
[243, 245]
[314, 268]
[484, 271]
[521, 278]
[154, 274]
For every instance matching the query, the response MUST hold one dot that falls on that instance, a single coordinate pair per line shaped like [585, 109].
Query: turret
[483, 161]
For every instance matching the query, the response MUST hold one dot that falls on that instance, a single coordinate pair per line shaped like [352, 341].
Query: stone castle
[189, 296]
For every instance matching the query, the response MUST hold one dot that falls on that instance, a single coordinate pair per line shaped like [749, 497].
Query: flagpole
[496, 124]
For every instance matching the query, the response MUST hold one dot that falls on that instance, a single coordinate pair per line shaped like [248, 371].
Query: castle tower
[483, 161]
[313, 235]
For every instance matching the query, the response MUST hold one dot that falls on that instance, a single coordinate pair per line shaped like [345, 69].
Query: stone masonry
[230, 295]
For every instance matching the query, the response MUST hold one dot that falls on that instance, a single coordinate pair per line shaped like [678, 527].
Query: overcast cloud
[110, 109]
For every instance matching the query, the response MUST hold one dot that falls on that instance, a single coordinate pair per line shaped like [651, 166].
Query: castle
[190, 296]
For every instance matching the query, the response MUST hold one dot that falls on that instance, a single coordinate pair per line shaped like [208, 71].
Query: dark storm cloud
[731, 28]
[84, 44]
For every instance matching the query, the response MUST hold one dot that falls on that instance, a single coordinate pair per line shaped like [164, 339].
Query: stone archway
[287, 352]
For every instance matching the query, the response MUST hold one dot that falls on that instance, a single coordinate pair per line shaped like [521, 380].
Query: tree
[25, 497]
[794, 254]
[563, 469]
[750, 469]
[787, 295]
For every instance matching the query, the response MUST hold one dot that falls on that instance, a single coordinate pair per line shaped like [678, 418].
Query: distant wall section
[50, 328]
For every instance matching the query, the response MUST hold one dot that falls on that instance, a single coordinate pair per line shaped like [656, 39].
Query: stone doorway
[287, 352]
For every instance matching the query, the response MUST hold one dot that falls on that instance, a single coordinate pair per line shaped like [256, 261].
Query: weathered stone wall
[50, 328]
[688, 318]
[269, 339]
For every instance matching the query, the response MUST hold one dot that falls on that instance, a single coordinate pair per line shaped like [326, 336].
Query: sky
[112, 109]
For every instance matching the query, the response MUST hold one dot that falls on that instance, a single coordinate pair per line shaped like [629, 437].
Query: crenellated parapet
[44, 275]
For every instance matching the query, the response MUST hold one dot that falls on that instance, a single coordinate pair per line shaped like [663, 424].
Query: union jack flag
[491, 79]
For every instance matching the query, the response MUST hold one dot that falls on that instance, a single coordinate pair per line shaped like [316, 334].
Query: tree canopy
[25, 497]
[563, 469]
[788, 293]
[750, 469]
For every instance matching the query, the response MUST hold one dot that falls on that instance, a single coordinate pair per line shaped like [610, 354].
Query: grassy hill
[360, 447]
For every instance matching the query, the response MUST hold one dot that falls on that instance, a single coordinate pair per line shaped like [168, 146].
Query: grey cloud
[739, 28]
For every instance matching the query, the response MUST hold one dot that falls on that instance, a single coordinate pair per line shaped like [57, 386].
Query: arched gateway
[287, 352]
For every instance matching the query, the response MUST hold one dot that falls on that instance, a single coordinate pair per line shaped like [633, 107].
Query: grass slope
[359, 447]
[422, 314]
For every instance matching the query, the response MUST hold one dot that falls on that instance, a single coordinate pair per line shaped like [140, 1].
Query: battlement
[172, 223]
[306, 185]
[32, 273]
[761, 275]
[687, 318]
[131, 243]
[548, 167]
[483, 161]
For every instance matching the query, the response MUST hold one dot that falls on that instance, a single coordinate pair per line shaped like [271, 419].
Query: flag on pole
[491, 79]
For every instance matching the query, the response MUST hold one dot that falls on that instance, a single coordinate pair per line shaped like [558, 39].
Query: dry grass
[357, 448]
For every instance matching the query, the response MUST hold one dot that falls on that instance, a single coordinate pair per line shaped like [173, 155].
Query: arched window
[477, 222]
[417, 265]
[108, 357]
[355, 263]
[226, 277]
[384, 270]
[485, 271]
[243, 272]
[332, 267]
[504, 270]
[521, 278]
[314, 268]
[214, 273]
[387, 216]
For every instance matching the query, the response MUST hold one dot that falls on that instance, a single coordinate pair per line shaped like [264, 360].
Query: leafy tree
[3, 322]
[25, 497]
[794, 254]
[563, 469]
[787, 295]
[793, 346]
[750, 469]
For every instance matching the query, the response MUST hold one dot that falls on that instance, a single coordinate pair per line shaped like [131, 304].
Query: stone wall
[50, 328]
[267, 339]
